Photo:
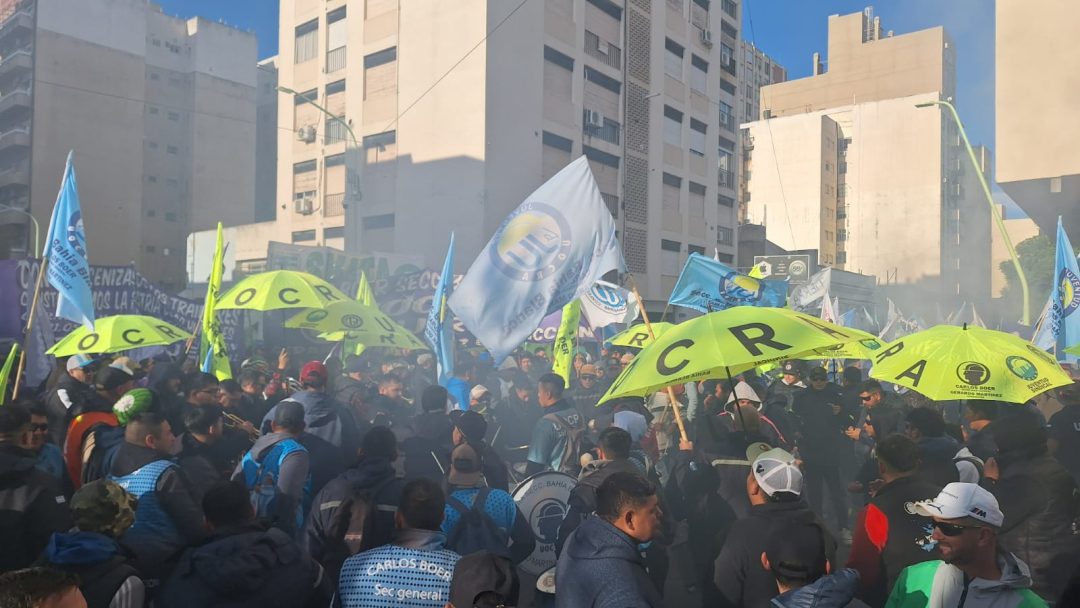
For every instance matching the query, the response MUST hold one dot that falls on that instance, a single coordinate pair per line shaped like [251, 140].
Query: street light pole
[1026, 318]
[37, 228]
[352, 170]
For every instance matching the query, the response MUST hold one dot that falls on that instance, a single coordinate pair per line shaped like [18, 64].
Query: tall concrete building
[160, 112]
[1037, 84]
[844, 162]
[266, 140]
[462, 108]
[756, 70]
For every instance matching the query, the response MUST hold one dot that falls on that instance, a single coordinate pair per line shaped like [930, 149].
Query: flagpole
[671, 394]
[29, 327]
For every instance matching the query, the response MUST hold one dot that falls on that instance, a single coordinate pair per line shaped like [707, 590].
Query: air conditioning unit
[706, 38]
[304, 206]
[594, 119]
[306, 134]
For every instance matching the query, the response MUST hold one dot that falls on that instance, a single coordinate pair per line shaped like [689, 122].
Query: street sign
[794, 268]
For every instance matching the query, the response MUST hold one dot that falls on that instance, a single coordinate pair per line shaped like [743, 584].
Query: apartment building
[456, 111]
[756, 70]
[847, 164]
[160, 112]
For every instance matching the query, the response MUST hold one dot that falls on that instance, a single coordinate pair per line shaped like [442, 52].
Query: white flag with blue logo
[1064, 317]
[547, 252]
[605, 304]
[65, 249]
[708, 286]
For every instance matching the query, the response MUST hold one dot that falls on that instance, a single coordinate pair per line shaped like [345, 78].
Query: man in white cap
[73, 389]
[973, 571]
[774, 487]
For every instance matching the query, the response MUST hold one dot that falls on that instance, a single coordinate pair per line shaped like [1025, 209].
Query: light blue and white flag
[707, 285]
[605, 303]
[65, 249]
[1064, 316]
[439, 331]
[547, 252]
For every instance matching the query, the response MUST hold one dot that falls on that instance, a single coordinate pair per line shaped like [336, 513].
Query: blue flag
[547, 252]
[1064, 316]
[65, 250]
[708, 286]
[439, 331]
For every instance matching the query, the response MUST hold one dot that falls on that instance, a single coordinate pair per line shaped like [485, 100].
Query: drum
[543, 500]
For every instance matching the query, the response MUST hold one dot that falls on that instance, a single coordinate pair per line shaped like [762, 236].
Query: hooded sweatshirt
[939, 585]
[108, 579]
[249, 565]
[32, 507]
[600, 567]
[830, 591]
[326, 419]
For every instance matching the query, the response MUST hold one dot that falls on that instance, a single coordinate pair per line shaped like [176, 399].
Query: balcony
[18, 136]
[15, 99]
[21, 60]
[334, 205]
[17, 17]
[725, 178]
[335, 60]
[15, 174]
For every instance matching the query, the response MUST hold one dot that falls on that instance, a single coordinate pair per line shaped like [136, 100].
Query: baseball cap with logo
[77, 361]
[776, 471]
[791, 367]
[958, 500]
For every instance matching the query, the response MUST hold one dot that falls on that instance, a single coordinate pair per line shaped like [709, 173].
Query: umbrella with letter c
[279, 289]
[118, 333]
[949, 362]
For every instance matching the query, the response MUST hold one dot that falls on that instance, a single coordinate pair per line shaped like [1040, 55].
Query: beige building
[844, 162]
[1037, 81]
[266, 140]
[455, 135]
[756, 70]
[160, 112]
[1019, 230]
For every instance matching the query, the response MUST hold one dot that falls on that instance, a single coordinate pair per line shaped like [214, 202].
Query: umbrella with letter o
[118, 333]
[949, 362]
[356, 322]
[279, 289]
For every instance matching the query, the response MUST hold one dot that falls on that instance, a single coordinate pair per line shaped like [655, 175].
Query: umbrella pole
[671, 394]
[29, 327]
[738, 410]
[331, 353]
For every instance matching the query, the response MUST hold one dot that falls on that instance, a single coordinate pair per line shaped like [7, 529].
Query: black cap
[472, 425]
[434, 399]
[289, 414]
[819, 373]
[480, 573]
[112, 378]
[792, 367]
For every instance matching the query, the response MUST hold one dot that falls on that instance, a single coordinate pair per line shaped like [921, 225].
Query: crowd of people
[362, 482]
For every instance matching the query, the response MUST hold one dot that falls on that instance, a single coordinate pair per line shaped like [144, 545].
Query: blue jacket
[830, 591]
[600, 567]
[414, 571]
[101, 563]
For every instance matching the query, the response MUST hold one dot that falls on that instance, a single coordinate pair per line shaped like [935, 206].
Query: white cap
[776, 471]
[743, 391]
[478, 391]
[77, 361]
[958, 500]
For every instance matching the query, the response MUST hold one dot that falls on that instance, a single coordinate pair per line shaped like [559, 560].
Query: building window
[697, 200]
[600, 127]
[171, 149]
[559, 59]
[557, 141]
[671, 192]
[174, 116]
[303, 236]
[155, 76]
[730, 30]
[150, 249]
[380, 72]
[726, 86]
[380, 140]
[152, 179]
[335, 130]
[607, 53]
[730, 7]
[333, 232]
[306, 166]
[699, 14]
[672, 126]
[727, 144]
[307, 41]
[725, 201]
[673, 57]
[697, 137]
[151, 213]
[153, 145]
[699, 74]
[608, 7]
[726, 258]
[170, 217]
[601, 157]
[336, 36]
[172, 182]
[727, 119]
[153, 110]
[306, 96]
[727, 58]
[698, 249]
[335, 87]
[726, 164]
[376, 222]
[603, 80]
[335, 160]
[670, 258]
[724, 236]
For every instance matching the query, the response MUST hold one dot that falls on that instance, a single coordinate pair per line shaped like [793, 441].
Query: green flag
[562, 356]
[213, 357]
[5, 372]
[365, 296]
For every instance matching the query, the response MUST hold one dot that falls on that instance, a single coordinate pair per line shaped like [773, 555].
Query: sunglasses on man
[952, 529]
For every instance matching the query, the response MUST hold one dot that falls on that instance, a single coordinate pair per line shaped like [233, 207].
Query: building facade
[266, 140]
[1038, 160]
[756, 70]
[453, 135]
[160, 113]
[845, 163]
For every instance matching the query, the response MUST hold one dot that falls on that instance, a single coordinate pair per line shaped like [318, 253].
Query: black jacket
[1038, 497]
[601, 567]
[245, 566]
[32, 507]
[822, 440]
[936, 456]
[738, 573]
[68, 394]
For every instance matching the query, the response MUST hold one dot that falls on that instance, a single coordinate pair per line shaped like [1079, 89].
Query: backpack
[475, 530]
[570, 462]
[351, 529]
[103, 442]
[261, 482]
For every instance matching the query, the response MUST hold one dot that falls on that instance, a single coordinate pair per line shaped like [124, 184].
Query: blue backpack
[261, 480]
[475, 530]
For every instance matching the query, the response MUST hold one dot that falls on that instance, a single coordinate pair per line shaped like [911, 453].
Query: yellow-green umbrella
[862, 349]
[638, 336]
[280, 289]
[724, 343]
[949, 362]
[118, 333]
[358, 323]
